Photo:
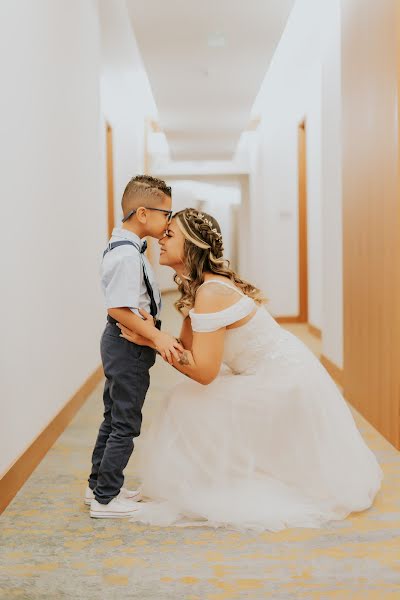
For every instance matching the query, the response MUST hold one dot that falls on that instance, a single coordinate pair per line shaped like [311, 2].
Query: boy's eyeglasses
[168, 213]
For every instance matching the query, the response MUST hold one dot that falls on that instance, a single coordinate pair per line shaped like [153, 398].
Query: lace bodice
[249, 344]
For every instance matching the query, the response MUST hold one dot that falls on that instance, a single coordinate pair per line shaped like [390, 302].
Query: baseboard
[314, 331]
[289, 319]
[334, 371]
[24, 466]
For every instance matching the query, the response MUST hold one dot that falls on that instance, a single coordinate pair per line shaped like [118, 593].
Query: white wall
[52, 211]
[61, 78]
[126, 98]
[302, 77]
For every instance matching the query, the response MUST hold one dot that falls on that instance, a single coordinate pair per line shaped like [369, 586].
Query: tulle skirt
[263, 451]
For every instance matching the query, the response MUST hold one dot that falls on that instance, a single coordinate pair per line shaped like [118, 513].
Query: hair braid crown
[206, 230]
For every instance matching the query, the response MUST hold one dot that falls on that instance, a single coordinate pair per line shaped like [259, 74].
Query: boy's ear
[141, 214]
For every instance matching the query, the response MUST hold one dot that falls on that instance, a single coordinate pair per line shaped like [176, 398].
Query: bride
[258, 436]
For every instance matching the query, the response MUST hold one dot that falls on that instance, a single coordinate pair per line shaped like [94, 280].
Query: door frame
[110, 179]
[302, 221]
[302, 316]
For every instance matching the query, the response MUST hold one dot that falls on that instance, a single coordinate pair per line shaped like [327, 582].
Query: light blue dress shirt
[122, 278]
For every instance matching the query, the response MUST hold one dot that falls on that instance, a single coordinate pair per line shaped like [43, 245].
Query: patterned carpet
[51, 549]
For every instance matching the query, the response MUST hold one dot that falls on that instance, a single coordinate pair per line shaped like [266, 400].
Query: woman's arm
[203, 362]
[143, 328]
[202, 357]
[186, 335]
[185, 339]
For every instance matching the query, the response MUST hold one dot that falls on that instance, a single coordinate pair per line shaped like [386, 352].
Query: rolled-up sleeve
[121, 278]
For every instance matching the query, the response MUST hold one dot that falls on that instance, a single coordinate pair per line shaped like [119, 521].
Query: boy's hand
[167, 346]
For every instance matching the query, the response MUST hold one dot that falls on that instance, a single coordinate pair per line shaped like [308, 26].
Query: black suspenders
[153, 304]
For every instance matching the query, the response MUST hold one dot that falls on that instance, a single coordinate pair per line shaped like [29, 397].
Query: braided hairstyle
[204, 253]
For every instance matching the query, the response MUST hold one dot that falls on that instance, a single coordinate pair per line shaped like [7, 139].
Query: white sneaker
[117, 508]
[124, 493]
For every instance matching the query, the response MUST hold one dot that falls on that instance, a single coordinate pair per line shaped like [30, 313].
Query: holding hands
[164, 343]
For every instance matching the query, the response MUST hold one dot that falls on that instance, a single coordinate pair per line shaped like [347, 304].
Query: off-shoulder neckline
[224, 310]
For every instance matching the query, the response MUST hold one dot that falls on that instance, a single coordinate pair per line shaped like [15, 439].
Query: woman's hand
[146, 316]
[163, 343]
[133, 337]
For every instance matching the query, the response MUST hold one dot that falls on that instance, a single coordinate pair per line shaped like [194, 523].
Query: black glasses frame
[163, 210]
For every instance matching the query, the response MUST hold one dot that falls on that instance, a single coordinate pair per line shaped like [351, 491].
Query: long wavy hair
[203, 253]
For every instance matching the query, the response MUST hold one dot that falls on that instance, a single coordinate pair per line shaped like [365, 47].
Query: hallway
[51, 549]
[279, 120]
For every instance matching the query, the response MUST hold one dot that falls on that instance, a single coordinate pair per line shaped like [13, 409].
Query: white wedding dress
[269, 444]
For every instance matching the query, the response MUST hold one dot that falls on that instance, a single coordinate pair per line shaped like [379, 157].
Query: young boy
[128, 285]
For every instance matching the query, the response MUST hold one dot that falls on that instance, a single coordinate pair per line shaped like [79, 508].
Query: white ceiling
[204, 93]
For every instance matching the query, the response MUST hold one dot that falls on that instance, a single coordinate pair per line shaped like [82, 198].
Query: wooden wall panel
[371, 224]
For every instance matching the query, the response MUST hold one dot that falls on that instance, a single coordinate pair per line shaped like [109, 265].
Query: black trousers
[126, 367]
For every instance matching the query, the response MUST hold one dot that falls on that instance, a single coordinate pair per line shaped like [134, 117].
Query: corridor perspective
[280, 119]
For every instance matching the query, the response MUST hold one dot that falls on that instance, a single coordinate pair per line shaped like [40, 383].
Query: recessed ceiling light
[216, 40]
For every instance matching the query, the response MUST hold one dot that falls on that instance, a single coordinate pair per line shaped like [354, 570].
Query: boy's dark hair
[140, 187]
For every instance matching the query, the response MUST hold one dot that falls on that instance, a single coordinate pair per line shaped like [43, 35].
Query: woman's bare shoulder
[213, 297]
